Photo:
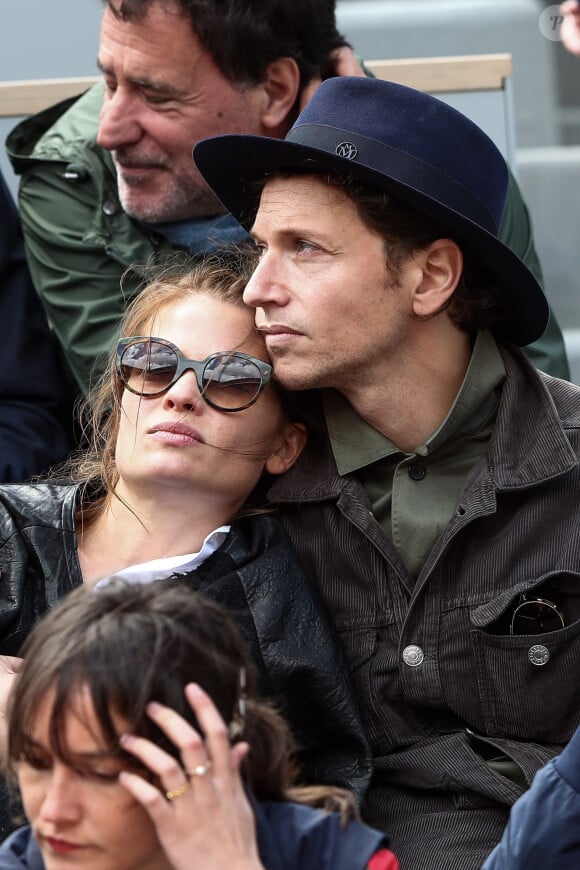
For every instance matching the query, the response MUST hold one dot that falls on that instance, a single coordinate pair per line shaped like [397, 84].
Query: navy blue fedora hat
[407, 143]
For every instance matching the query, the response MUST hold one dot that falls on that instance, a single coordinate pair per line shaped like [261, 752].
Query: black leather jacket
[255, 574]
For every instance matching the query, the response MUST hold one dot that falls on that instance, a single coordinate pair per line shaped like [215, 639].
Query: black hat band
[384, 160]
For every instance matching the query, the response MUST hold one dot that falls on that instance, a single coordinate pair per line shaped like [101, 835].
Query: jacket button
[417, 471]
[109, 208]
[74, 172]
[538, 654]
[413, 656]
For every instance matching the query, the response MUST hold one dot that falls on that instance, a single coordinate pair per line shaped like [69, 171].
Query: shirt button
[538, 655]
[417, 471]
[413, 656]
[109, 208]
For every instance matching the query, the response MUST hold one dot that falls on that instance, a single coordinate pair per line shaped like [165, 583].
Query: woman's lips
[62, 847]
[176, 433]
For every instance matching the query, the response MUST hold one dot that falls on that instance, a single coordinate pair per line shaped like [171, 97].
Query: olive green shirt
[413, 495]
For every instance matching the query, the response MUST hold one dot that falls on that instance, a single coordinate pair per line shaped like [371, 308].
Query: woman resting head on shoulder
[187, 424]
[196, 421]
[138, 743]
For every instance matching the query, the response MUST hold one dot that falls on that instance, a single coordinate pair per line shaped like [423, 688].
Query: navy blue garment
[20, 850]
[296, 837]
[35, 412]
[543, 831]
[290, 837]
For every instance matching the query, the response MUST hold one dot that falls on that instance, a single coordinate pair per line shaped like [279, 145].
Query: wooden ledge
[28, 97]
[438, 74]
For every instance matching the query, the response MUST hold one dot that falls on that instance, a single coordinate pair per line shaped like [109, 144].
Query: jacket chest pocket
[529, 683]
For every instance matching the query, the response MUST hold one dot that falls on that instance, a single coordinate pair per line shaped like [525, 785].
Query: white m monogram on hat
[346, 150]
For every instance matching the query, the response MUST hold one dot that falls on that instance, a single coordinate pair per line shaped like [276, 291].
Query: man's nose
[119, 124]
[266, 285]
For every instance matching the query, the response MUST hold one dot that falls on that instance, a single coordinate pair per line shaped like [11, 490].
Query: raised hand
[200, 807]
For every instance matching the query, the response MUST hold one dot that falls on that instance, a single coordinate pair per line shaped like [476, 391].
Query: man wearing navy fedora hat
[437, 506]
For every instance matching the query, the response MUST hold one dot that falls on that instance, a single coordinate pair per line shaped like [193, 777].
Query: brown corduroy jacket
[441, 682]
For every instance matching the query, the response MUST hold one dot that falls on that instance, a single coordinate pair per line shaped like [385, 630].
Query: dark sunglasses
[536, 616]
[227, 380]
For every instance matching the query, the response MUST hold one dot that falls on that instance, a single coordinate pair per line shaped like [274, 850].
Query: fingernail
[154, 707]
[126, 739]
[194, 689]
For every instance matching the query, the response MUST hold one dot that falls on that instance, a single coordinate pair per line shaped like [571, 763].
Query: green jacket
[80, 242]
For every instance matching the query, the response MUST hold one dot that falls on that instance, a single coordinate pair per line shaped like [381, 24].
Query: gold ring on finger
[200, 770]
[177, 792]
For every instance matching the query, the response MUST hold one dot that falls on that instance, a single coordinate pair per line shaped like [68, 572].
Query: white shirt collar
[161, 569]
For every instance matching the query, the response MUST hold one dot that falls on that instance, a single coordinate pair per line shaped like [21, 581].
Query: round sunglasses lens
[231, 381]
[147, 367]
[537, 616]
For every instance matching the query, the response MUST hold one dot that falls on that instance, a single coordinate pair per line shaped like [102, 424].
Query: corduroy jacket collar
[530, 443]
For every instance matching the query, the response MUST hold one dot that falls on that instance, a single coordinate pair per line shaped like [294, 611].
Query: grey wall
[41, 39]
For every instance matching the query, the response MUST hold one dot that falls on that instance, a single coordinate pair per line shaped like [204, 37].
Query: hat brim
[234, 165]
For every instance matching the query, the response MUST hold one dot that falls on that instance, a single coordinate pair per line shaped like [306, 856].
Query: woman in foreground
[186, 423]
[120, 768]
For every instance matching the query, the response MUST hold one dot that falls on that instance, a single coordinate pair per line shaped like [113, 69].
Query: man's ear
[292, 442]
[281, 86]
[441, 264]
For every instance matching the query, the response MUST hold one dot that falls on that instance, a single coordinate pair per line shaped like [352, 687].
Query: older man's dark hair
[244, 36]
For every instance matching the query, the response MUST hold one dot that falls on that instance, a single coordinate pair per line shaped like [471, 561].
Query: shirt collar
[161, 569]
[355, 443]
